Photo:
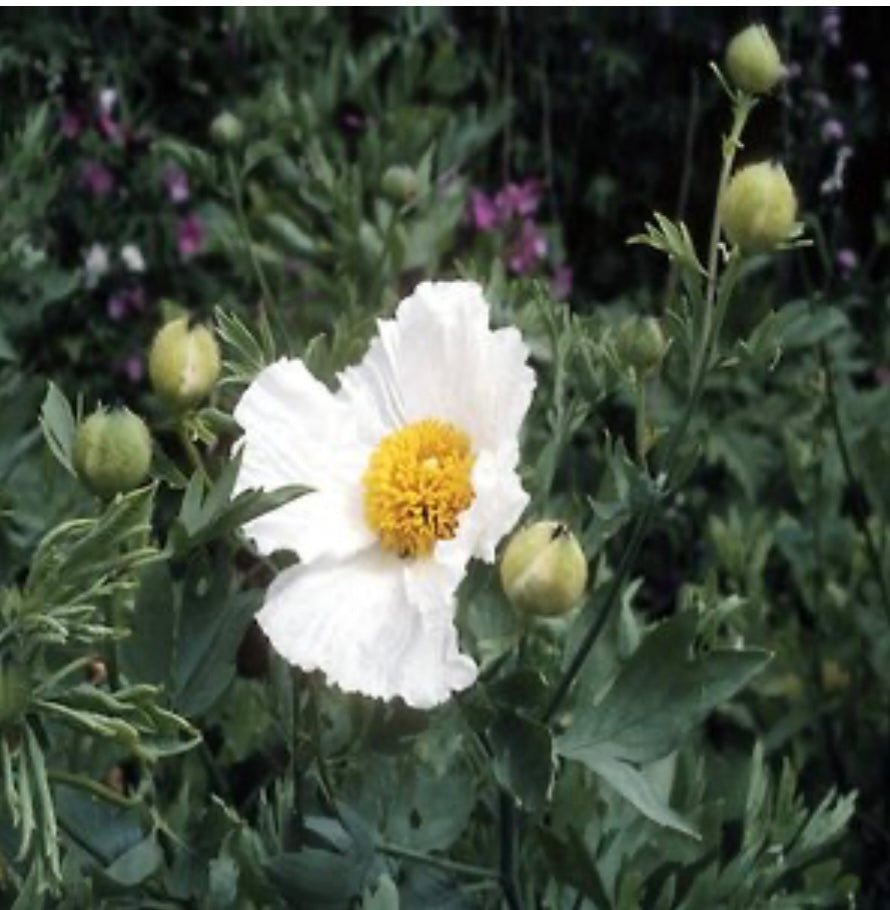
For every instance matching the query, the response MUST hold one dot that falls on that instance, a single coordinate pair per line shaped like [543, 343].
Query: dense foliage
[708, 728]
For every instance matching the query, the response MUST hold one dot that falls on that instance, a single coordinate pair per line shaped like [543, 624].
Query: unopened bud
[753, 61]
[759, 207]
[640, 344]
[112, 452]
[226, 130]
[543, 569]
[183, 363]
[400, 183]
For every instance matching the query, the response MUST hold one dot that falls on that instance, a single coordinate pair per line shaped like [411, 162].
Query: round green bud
[401, 184]
[227, 130]
[183, 363]
[15, 692]
[640, 344]
[758, 208]
[543, 569]
[111, 452]
[753, 62]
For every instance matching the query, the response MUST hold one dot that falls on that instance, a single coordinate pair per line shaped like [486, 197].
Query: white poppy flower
[412, 463]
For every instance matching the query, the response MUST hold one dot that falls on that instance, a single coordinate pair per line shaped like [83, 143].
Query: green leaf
[659, 695]
[524, 759]
[638, 791]
[58, 424]
[137, 863]
[571, 863]
[326, 879]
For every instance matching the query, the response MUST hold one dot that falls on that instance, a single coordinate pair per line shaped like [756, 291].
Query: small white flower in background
[133, 258]
[107, 100]
[413, 466]
[95, 264]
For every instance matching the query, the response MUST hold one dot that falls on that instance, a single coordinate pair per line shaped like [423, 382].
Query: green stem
[509, 851]
[641, 429]
[191, 450]
[268, 301]
[714, 311]
[731, 144]
[437, 862]
[94, 788]
[859, 516]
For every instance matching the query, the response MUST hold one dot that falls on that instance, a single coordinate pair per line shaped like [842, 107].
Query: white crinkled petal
[439, 358]
[497, 506]
[353, 620]
[297, 432]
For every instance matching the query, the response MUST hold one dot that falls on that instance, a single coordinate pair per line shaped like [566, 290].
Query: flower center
[417, 483]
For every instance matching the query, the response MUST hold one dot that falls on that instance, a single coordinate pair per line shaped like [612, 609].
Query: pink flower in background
[97, 178]
[859, 71]
[519, 199]
[177, 183]
[832, 130]
[125, 303]
[846, 260]
[561, 282]
[483, 211]
[132, 367]
[70, 124]
[190, 235]
[529, 247]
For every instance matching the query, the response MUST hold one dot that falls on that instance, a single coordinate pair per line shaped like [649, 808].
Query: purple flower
[561, 282]
[190, 235]
[97, 178]
[831, 25]
[519, 199]
[820, 100]
[125, 303]
[132, 367]
[859, 71]
[846, 260]
[116, 308]
[833, 130]
[70, 124]
[177, 183]
[528, 248]
[483, 212]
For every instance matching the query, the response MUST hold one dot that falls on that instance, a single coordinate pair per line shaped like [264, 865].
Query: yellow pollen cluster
[417, 483]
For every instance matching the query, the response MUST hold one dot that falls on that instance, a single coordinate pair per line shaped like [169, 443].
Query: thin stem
[714, 310]
[859, 516]
[641, 422]
[437, 862]
[191, 450]
[268, 300]
[509, 845]
[94, 788]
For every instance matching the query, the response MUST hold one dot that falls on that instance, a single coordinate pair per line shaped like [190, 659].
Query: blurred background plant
[301, 170]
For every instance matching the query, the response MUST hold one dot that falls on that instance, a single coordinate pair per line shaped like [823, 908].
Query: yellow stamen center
[417, 483]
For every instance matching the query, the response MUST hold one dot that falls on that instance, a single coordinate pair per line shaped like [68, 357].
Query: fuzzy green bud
[15, 692]
[758, 208]
[111, 452]
[543, 569]
[226, 130]
[400, 183]
[183, 363]
[640, 344]
[753, 62]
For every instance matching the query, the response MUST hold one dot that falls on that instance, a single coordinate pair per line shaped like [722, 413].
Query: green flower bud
[401, 184]
[15, 692]
[753, 61]
[183, 363]
[758, 208]
[227, 130]
[112, 452]
[543, 569]
[640, 344]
